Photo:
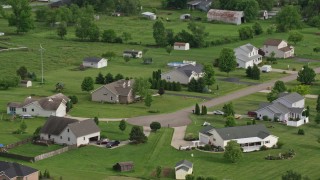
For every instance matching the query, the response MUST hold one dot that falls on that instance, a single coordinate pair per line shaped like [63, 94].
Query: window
[68, 139]
[32, 110]
[111, 98]
[68, 130]
[168, 77]
[84, 138]
[24, 109]
[13, 109]
[267, 142]
[60, 137]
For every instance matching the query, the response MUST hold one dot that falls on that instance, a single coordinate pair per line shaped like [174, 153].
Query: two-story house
[184, 74]
[279, 47]
[247, 55]
[250, 138]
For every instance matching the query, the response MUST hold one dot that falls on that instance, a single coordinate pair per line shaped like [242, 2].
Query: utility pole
[41, 52]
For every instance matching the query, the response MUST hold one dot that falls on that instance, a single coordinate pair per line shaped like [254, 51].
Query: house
[203, 5]
[280, 48]
[60, 3]
[184, 74]
[25, 83]
[149, 15]
[250, 138]
[132, 54]
[116, 92]
[123, 166]
[288, 108]
[185, 16]
[69, 131]
[233, 17]
[183, 168]
[263, 14]
[247, 55]
[15, 171]
[95, 62]
[54, 105]
[181, 46]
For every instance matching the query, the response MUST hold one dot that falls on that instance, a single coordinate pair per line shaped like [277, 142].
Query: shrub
[190, 137]
[294, 69]
[249, 123]
[155, 126]
[301, 132]
[263, 148]
[265, 118]
[279, 144]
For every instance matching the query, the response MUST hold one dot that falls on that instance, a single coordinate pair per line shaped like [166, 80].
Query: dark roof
[82, 128]
[92, 59]
[60, 3]
[239, 132]
[285, 49]
[206, 130]
[188, 69]
[55, 125]
[184, 163]
[128, 163]
[179, 44]
[291, 97]
[120, 87]
[12, 170]
[272, 42]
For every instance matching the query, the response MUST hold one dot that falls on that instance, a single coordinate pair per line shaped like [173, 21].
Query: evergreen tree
[255, 74]
[178, 86]
[23, 127]
[161, 91]
[155, 126]
[192, 85]
[279, 86]
[200, 85]
[100, 79]
[306, 75]
[203, 110]
[148, 100]
[137, 135]
[249, 71]
[318, 104]
[122, 125]
[87, 84]
[22, 72]
[159, 33]
[109, 78]
[118, 77]
[197, 109]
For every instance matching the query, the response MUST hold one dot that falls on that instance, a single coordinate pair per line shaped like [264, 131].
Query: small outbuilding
[25, 83]
[263, 14]
[123, 166]
[181, 46]
[185, 16]
[183, 168]
[149, 15]
[233, 17]
[132, 54]
[95, 62]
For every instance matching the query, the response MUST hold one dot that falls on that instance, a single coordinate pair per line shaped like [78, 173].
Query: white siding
[85, 139]
[61, 111]
[102, 63]
[34, 109]
[185, 47]
[204, 138]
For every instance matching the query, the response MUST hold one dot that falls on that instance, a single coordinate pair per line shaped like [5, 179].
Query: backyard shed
[123, 166]
[25, 83]
[233, 17]
[149, 15]
[181, 46]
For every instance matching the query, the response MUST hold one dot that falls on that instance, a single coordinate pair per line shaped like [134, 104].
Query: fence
[16, 156]
[25, 141]
[54, 153]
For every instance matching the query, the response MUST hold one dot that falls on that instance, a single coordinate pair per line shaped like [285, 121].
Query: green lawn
[111, 130]
[32, 150]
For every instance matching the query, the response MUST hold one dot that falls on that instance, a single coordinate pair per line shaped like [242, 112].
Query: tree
[189, 177]
[109, 78]
[9, 81]
[122, 125]
[60, 86]
[158, 171]
[159, 33]
[317, 119]
[228, 109]
[301, 89]
[273, 95]
[83, 28]
[87, 84]
[255, 74]
[250, 9]
[257, 29]
[36, 132]
[109, 36]
[126, 59]
[96, 120]
[272, 57]
[291, 175]
[174, 4]
[204, 110]
[69, 106]
[100, 79]
[209, 75]
[126, 36]
[245, 32]
[22, 72]
[148, 100]
[227, 60]
[295, 37]
[73, 99]
[141, 87]
[266, 4]
[118, 77]
[169, 49]
[198, 33]
[197, 109]
[288, 18]
[21, 16]
[23, 127]
[62, 30]
[233, 152]
[279, 86]
[161, 91]
[155, 126]
[316, 49]
[137, 135]
[306, 75]
[318, 104]
[230, 122]
[249, 71]
[94, 33]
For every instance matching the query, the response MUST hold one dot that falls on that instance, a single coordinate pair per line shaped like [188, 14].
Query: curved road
[181, 117]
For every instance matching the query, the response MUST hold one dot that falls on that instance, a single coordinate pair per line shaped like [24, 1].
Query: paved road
[180, 118]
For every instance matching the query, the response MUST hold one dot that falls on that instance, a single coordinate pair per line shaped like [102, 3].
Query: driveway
[178, 137]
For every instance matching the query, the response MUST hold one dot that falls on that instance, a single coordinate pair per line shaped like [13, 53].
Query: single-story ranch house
[247, 55]
[132, 54]
[183, 168]
[15, 171]
[181, 46]
[94, 62]
[288, 108]
[233, 17]
[279, 47]
[250, 138]
[116, 92]
[184, 74]
[68, 131]
[54, 105]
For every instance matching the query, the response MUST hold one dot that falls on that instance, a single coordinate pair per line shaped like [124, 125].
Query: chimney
[124, 85]
[50, 100]
[128, 83]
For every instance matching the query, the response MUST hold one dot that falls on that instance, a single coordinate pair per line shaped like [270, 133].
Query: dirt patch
[305, 60]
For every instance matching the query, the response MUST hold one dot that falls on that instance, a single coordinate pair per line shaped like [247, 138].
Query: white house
[233, 17]
[149, 15]
[181, 46]
[25, 83]
[183, 168]
[288, 108]
[184, 74]
[68, 131]
[132, 54]
[280, 48]
[250, 138]
[263, 14]
[47, 106]
[247, 55]
[95, 62]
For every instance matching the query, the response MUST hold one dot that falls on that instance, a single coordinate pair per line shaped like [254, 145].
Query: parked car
[218, 112]
[206, 124]
[112, 144]
[25, 116]
[102, 141]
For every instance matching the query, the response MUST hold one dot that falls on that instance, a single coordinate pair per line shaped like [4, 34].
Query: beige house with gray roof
[184, 74]
[280, 48]
[54, 105]
[116, 92]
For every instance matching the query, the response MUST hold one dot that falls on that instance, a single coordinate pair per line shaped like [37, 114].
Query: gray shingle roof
[272, 42]
[92, 59]
[206, 130]
[120, 87]
[82, 128]
[239, 132]
[188, 69]
[242, 52]
[15, 170]
[185, 163]
[291, 97]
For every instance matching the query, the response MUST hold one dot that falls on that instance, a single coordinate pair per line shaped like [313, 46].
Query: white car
[25, 116]
[218, 112]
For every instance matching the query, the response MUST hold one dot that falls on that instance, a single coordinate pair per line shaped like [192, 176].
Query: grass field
[32, 150]
[111, 130]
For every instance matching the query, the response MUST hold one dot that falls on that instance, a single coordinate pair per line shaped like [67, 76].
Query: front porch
[297, 122]
[254, 146]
